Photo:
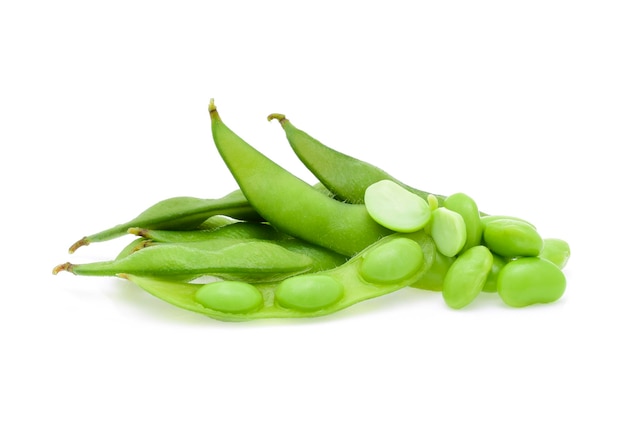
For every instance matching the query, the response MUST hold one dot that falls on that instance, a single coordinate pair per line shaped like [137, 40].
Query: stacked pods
[278, 247]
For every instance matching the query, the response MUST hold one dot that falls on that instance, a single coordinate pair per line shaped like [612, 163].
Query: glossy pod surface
[312, 294]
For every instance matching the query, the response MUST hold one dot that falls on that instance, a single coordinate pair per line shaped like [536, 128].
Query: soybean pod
[178, 213]
[390, 264]
[251, 260]
[347, 177]
[290, 204]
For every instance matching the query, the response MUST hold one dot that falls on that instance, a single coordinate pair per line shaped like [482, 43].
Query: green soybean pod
[467, 276]
[250, 260]
[448, 231]
[363, 277]
[345, 176]
[530, 280]
[289, 203]
[556, 251]
[464, 205]
[177, 213]
[512, 238]
[237, 230]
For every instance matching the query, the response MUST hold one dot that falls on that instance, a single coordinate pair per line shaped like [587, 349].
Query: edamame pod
[289, 203]
[250, 260]
[178, 213]
[237, 230]
[321, 257]
[347, 177]
[305, 295]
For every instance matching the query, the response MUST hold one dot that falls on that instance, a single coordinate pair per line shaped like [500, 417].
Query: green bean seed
[512, 238]
[465, 206]
[556, 251]
[530, 280]
[230, 296]
[467, 276]
[309, 292]
[485, 219]
[448, 230]
[392, 262]
[491, 285]
[395, 207]
[433, 278]
[237, 230]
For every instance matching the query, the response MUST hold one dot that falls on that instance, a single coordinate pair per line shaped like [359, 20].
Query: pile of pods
[278, 247]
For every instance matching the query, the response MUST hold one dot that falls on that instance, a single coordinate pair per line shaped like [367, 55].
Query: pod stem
[280, 117]
[212, 109]
[140, 232]
[67, 266]
[82, 242]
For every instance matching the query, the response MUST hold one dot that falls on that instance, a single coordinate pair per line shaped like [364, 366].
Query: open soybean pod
[388, 265]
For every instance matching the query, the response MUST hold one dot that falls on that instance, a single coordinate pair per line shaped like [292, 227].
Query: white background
[103, 110]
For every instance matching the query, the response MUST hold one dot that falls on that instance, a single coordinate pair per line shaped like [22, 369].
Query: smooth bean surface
[466, 277]
[395, 207]
[530, 280]
[448, 231]
[464, 205]
[512, 238]
[556, 251]
[230, 297]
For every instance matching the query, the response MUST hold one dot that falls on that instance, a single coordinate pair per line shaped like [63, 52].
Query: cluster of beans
[278, 247]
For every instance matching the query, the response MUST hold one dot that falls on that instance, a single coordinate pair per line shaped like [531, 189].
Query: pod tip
[82, 242]
[67, 266]
[212, 105]
[280, 117]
